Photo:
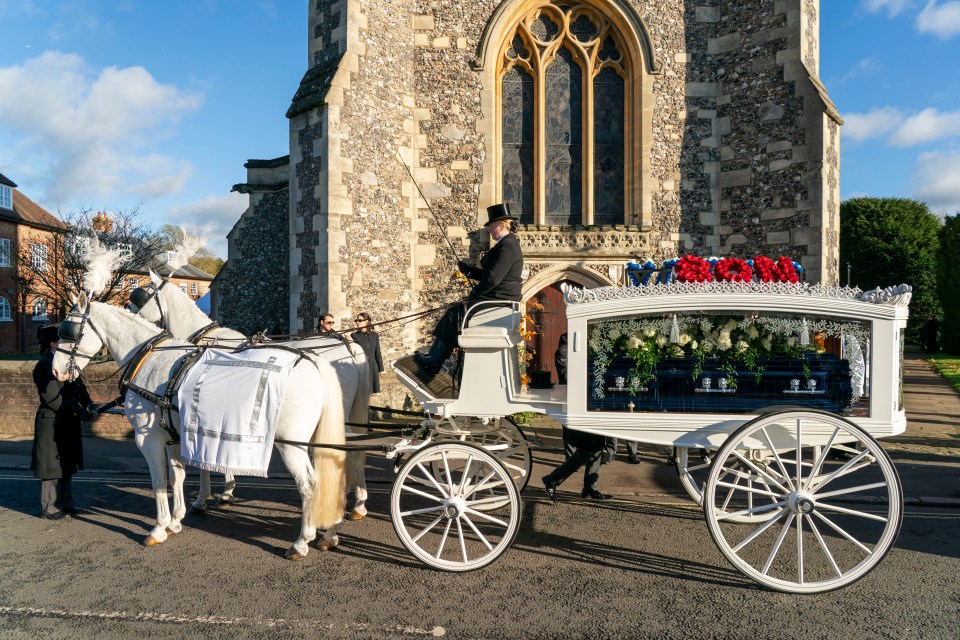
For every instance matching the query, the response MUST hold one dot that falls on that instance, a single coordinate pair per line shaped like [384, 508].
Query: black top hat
[48, 333]
[499, 212]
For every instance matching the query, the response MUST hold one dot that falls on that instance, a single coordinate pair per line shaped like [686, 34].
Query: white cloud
[927, 126]
[891, 7]
[942, 20]
[872, 124]
[211, 217]
[937, 177]
[93, 130]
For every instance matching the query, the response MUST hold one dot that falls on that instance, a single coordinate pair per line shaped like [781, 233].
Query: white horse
[164, 303]
[311, 410]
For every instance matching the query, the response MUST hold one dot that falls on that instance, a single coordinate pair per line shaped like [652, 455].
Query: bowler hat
[48, 333]
[498, 212]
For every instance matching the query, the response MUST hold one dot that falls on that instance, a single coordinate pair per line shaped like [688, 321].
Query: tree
[61, 274]
[891, 241]
[948, 283]
[203, 259]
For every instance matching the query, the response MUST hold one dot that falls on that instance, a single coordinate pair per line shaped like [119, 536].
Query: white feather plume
[184, 250]
[100, 264]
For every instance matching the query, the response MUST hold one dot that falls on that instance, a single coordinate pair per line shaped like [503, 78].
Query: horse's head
[146, 302]
[79, 341]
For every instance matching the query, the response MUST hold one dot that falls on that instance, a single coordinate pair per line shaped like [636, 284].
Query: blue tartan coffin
[676, 389]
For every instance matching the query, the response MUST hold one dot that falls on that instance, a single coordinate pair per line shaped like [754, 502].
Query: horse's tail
[329, 496]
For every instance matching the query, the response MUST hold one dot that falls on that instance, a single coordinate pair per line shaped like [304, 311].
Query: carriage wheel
[442, 517]
[693, 466]
[507, 443]
[836, 496]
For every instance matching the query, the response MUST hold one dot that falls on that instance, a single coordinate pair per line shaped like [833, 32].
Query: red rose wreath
[733, 270]
[693, 269]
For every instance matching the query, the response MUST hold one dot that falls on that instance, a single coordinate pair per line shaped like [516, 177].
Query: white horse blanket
[229, 404]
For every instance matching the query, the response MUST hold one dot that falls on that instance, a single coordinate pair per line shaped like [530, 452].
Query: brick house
[26, 230]
[192, 281]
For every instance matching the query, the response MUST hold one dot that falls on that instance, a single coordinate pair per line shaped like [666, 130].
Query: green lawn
[948, 367]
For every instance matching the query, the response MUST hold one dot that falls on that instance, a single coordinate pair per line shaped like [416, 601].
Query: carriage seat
[491, 325]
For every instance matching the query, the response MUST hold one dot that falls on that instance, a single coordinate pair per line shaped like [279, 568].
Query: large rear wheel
[834, 493]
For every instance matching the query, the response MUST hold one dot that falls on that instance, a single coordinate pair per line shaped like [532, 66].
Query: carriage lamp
[706, 383]
[795, 384]
[723, 384]
[812, 384]
[619, 381]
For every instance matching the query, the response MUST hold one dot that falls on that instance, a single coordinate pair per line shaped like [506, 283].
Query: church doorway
[548, 311]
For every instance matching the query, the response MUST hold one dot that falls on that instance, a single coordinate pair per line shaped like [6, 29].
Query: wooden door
[549, 313]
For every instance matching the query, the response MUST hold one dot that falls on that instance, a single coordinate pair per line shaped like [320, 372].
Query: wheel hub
[454, 508]
[801, 502]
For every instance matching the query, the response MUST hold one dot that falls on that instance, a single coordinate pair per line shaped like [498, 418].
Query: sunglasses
[328, 323]
[360, 320]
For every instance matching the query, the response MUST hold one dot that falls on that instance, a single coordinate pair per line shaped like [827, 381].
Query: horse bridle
[73, 331]
[142, 297]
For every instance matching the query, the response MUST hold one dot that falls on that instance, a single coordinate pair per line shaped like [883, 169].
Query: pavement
[927, 454]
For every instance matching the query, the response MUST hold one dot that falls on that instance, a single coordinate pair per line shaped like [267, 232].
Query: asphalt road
[636, 567]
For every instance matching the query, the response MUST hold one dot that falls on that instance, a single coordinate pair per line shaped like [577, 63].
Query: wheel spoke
[799, 454]
[427, 528]
[840, 530]
[823, 545]
[759, 471]
[463, 543]
[841, 492]
[720, 515]
[852, 512]
[489, 500]
[776, 545]
[422, 494]
[481, 514]
[842, 470]
[730, 494]
[776, 456]
[749, 490]
[818, 464]
[443, 539]
[417, 512]
[464, 475]
[759, 530]
[800, 549]
[478, 534]
[433, 481]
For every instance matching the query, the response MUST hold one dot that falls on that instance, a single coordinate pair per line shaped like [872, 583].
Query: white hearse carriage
[772, 395]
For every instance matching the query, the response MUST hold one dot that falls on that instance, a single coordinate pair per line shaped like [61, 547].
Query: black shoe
[551, 489]
[633, 460]
[57, 515]
[71, 511]
[594, 494]
[606, 457]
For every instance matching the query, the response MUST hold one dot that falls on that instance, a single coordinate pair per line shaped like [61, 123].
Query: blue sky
[112, 104]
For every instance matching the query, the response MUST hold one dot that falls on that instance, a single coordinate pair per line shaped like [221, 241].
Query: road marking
[146, 616]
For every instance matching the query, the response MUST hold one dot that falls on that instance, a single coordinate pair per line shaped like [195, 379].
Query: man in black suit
[499, 279]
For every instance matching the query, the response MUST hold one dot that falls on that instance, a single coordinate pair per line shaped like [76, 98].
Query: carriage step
[440, 385]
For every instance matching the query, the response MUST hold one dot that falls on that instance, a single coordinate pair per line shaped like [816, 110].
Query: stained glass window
[564, 122]
[608, 147]
[517, 143]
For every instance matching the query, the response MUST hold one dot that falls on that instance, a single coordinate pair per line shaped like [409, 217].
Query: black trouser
[579, 458]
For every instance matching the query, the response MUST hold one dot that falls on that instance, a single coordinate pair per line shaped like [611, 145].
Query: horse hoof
[326, 545]
[356, 515]
[293, 554]
[151, 542]
[196, 511]
[171, 532]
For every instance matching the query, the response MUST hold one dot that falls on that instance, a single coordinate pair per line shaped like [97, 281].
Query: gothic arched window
[564, 94]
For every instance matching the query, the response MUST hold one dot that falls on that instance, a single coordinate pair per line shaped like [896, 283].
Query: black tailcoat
[57, 440]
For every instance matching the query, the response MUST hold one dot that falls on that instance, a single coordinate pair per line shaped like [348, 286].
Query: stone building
[616, 129]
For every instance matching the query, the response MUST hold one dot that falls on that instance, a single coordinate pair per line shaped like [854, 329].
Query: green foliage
[949, 284]
[891, 241]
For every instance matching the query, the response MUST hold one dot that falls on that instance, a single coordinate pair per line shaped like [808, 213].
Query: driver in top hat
[498, 279]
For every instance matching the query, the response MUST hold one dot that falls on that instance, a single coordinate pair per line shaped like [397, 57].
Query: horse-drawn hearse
[771, 395]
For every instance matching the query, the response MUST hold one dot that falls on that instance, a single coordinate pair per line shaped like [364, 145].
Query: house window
[183, 287]
[4, 252]
[133, 283]
[38, 256]
[4, 309]
[565, 83]
[6, 197]
[193, 289]
[39, 309]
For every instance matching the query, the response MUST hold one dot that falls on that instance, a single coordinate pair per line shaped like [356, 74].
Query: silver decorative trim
[893, 296]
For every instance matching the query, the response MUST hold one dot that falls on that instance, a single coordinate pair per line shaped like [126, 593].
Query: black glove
[91, 413]
[464, 267]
